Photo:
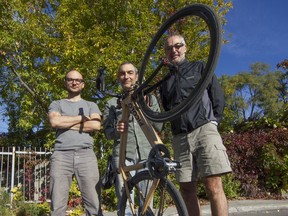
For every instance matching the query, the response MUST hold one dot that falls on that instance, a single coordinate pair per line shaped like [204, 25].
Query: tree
[252, 95]
[42, 40]
[283, 89]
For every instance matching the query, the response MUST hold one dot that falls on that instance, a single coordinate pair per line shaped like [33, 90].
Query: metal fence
[27, 169]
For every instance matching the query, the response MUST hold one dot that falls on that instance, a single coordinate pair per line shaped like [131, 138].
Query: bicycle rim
[207, 14]
[166, 200]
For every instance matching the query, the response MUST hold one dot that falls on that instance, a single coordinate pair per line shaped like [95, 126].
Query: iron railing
[27, 169]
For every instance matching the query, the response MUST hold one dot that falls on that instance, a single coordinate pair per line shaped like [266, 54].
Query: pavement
[242, 206]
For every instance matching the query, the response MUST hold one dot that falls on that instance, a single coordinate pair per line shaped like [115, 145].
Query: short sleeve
[94, 108]
[54, 107]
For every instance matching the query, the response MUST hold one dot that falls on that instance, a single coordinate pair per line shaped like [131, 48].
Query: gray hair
[127, 62]
[173, 35]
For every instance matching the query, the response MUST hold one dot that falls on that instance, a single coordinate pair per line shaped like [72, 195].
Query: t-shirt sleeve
[94, 109]
[54, 107]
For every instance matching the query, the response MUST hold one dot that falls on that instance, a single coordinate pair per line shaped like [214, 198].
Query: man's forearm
[87, 126]
[65, 122]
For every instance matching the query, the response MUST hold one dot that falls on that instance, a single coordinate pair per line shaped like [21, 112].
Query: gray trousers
[83, 165]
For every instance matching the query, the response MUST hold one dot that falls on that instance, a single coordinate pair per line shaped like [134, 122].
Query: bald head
[74, 82]
[74, 73]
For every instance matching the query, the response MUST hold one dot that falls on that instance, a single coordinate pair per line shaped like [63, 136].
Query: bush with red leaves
[259, 160]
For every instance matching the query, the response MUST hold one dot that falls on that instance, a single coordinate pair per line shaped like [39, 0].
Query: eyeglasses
[71, 80]
[177, 46]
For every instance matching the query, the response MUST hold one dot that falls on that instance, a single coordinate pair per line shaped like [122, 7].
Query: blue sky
[259, 33]
[3, 125]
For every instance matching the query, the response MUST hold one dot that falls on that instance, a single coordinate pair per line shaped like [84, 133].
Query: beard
[179, 58]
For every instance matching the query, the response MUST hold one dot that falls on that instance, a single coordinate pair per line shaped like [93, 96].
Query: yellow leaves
[96, 44]
[52, 69]
[229, 4]
[87, 36]
[8, 63]
[102, 50]
[15, 189]
[17, 192]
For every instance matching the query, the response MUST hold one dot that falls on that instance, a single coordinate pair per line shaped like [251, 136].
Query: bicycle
[159, 163]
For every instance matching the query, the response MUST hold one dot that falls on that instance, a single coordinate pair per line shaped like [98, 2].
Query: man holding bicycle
[196, 142]
[138, 146]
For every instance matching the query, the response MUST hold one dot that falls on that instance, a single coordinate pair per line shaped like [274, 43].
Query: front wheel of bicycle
[165, 201]
[209, 36]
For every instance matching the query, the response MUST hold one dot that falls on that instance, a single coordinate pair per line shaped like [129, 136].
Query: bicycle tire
[174, 203]
[210, 17]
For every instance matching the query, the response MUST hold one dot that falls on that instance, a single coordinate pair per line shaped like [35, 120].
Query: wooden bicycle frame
[130, 106]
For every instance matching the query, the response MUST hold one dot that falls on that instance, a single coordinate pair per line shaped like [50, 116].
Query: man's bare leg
[217, 198]
[189, 194]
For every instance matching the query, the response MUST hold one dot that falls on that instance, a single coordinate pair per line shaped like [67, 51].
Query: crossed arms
[80, 123]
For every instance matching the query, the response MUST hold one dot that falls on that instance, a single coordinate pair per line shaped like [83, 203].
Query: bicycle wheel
[209, 18]
[166, 199]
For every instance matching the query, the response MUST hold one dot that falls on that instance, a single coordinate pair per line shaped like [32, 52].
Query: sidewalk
[237, 206]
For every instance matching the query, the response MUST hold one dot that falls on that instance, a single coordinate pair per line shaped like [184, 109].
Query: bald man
[74, 119]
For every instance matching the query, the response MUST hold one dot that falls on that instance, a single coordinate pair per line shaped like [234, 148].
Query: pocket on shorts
[223, 157]
[220, 146]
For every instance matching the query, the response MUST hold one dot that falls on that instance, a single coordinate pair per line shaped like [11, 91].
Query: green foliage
[77, 211]
[42, 40]
[109, 199]
[232, 186]
[275, 164]
[75, 198]
[283, 116]
[253, 95]
[18, 194]
[283, 88]
[261, 123]
[35, 209]
[19, 206]
[4, 202]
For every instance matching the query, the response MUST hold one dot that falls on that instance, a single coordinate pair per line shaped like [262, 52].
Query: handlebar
[101, 84]
[143, 87]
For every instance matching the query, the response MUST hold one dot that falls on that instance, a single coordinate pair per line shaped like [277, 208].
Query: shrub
[110, 201]
[4, 202]
[232, 187]
[259, 161]
[22, 208]
[35, 209]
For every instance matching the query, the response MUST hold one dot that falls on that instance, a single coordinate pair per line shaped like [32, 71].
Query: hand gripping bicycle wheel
[207, 16]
